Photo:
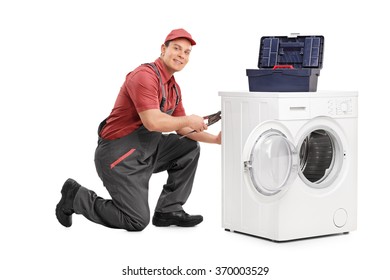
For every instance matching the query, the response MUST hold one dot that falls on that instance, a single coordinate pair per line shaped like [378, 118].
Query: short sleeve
[143, 87]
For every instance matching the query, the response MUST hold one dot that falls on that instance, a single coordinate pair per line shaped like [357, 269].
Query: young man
[131, 148]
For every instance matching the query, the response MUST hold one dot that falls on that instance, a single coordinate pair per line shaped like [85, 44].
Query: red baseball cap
[180, 33]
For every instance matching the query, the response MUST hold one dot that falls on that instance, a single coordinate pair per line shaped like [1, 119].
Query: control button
[344, 107]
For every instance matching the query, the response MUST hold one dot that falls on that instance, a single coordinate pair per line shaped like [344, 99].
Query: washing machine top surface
[318, 94]
[299, 105]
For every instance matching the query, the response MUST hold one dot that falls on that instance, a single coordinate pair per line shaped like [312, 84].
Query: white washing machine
[289, 163]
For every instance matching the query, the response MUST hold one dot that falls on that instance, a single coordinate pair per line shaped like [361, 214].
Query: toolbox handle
[287, 66]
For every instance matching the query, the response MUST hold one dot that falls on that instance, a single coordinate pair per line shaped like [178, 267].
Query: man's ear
[163, 48]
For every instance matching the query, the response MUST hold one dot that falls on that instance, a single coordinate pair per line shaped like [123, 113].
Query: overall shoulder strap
[164, 99]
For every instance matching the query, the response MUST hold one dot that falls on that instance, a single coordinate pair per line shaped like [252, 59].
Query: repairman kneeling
[131, 147]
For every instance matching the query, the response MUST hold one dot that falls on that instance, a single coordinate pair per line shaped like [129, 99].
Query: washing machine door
[273, 162]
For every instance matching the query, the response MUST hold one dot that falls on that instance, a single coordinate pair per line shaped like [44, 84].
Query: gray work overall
[125, 166]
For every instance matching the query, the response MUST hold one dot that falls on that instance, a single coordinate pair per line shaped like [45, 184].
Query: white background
[61, 66]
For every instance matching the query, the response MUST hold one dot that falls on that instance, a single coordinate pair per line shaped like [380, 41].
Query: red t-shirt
[141, 91]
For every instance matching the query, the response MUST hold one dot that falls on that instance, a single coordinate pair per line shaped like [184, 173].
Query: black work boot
[64, 209]
[177, 218]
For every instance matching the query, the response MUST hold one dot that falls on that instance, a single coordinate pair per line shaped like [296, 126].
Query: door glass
[273, 162]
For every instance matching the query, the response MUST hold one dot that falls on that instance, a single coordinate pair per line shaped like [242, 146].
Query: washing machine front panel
[324, 123]
[271, 159]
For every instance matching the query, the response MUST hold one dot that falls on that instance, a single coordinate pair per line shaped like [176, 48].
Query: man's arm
[204, 137]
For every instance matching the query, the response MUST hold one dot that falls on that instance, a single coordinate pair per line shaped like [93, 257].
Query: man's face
[176, 55]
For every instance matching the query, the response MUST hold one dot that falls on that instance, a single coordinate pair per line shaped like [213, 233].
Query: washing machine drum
[316, 155]
[273, 162]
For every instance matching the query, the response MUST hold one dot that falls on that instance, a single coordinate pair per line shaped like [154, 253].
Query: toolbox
[287, 64]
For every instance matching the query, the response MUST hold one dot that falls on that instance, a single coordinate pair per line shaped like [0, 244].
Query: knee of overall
[193, 150]
[138, 224]
[197, 147]
[194, 146]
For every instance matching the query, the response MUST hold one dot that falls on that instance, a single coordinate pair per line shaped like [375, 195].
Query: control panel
[340, 106]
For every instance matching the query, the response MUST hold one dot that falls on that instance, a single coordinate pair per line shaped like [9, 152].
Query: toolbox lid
[291, 52]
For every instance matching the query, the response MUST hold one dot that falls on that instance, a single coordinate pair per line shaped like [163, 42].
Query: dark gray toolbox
[287, 64]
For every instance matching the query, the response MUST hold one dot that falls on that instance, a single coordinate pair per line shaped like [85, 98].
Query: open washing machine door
[272, 161]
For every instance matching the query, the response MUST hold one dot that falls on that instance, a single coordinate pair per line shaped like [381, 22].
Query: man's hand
[196, 123]
[219, 138]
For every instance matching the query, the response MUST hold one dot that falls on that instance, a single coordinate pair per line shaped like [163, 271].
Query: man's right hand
[197, 123]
